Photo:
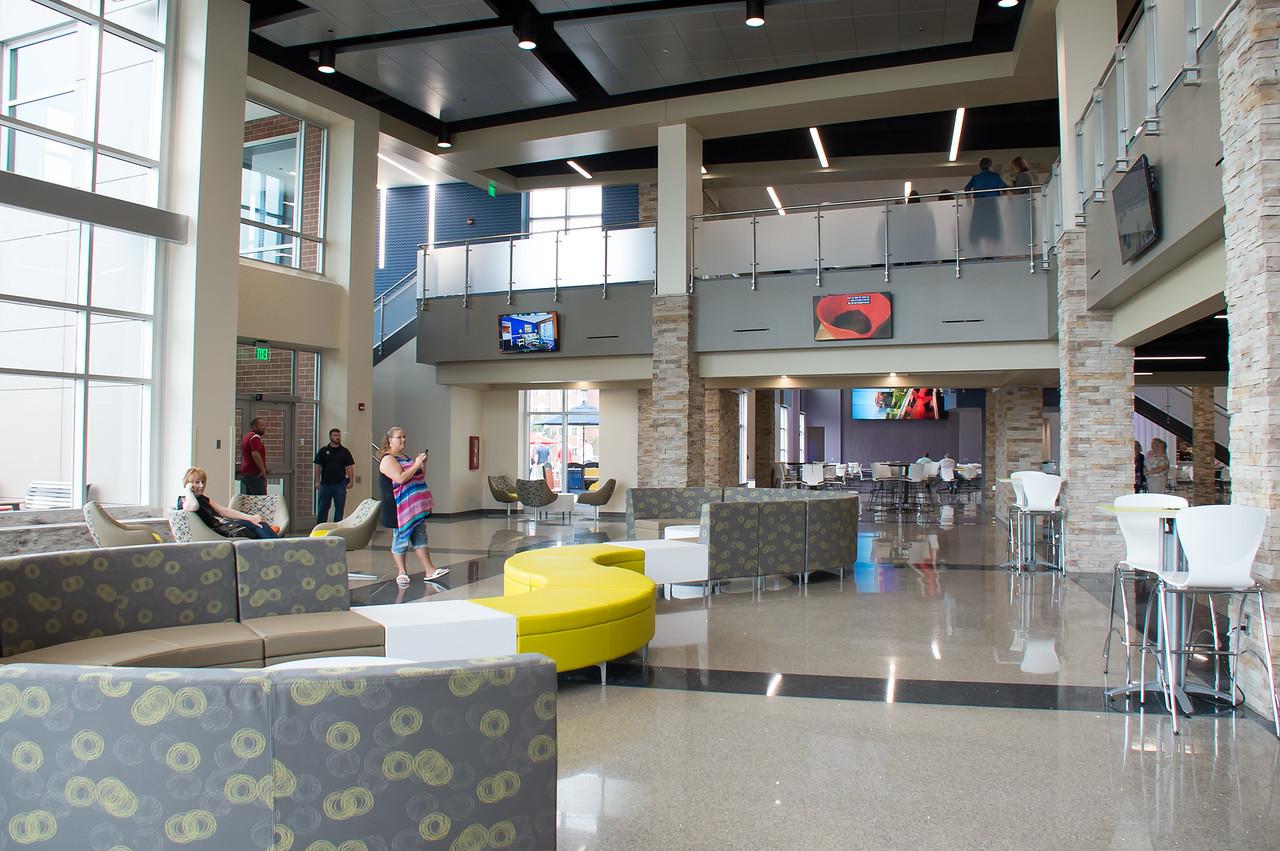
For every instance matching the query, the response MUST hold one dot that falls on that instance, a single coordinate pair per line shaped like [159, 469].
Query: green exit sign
[262, 353]
[493, 190]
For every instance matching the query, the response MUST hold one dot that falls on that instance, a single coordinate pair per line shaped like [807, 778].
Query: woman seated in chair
[227, 522]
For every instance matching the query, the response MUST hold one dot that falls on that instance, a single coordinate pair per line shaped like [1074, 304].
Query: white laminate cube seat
[439, 630]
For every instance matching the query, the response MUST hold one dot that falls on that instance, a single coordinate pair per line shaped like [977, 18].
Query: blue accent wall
[406, 229]
[619, 204]
[455, 202]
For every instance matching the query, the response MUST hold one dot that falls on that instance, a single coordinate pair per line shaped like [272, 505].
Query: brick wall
[1018, 414]
[1204, 490]
[721, 438]
[678, 401]
[1249, 101]
[766, 436]
[648, 203]
[1096, 377]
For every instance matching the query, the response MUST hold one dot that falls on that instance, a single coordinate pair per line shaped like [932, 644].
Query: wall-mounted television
[897, 403]
[528, 332]
[1137, 215]
[853, 316]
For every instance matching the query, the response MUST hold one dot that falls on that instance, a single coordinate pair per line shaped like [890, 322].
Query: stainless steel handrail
[828, 205]
[499, 237]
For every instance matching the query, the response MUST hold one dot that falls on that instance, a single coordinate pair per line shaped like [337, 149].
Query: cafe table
[1179, 615]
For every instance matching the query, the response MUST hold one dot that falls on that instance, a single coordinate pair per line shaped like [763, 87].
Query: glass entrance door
[277, 419]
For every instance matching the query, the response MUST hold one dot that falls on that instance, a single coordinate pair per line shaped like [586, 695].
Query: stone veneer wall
[1096, 377]
[648, 198]
[1248, 57]
[1019, 437]
[644, 444]
[721, 438]
[766, 436]
[1203, 489]
[678, 401]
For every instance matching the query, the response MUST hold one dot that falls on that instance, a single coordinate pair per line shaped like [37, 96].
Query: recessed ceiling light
[1221, 316]
[773, 196]
[579, 169]
[1170, 357]
[1143, 373]
[817, 147]
[955, 135]
[1007, 4]
[326, 63]
[755, 13]
[893, 375]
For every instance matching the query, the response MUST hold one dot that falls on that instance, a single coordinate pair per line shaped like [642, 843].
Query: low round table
[339, 662]
[681, 533]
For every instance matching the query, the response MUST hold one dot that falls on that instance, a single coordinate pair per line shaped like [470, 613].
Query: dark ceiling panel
[1206, 337]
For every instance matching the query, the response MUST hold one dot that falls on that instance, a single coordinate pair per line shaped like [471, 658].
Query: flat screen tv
[528, 332]
[898, 403]
[853, 316]
[1137, 216]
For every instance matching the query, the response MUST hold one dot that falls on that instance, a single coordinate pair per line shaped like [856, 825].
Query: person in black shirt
[334, 476]
[227, 522]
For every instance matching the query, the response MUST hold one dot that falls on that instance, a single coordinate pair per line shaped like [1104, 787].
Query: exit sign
[493, 190]
[262, 353]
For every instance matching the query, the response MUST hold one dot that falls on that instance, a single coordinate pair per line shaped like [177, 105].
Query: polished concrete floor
[925, 698]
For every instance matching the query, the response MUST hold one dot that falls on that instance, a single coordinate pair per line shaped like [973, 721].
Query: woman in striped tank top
[413, 504]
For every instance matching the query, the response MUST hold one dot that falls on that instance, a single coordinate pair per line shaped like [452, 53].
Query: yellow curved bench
[580, 605]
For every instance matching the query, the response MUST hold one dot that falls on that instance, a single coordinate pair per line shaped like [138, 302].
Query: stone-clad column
[1096, 377]
[678, 403]
[721, 438]
[766, 436]
[644, 439]
[1018, 416]
[1202, 446]
[1249, 101]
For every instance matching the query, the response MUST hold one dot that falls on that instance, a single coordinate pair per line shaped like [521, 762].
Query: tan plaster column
[1202, 416]
[1096, 378]
[1250, 99]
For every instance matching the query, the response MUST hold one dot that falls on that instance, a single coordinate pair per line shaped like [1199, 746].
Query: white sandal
[402, 579]
[440, 571]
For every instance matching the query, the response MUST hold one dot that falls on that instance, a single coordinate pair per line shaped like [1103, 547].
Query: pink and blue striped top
[413, 501]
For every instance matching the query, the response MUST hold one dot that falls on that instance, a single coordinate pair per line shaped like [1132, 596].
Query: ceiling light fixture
[955, 135]
[773, 196]
[1143, 373]
[326, 62]
[1007, 4]
[817, 147]
[755, 13]
[1170, 357]
[704, 169]
[527, 32]
[906, 189]
[1221, 316]
[445, 138]
[579, 169]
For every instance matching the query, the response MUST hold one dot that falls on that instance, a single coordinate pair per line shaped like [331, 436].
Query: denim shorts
[417, 540]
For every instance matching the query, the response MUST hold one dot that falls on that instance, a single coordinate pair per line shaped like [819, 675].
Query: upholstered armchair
[272, 508]
[106, 531]
[187, 527]
[356, 529]
[536, 494]
[598, 497]
[504, 490]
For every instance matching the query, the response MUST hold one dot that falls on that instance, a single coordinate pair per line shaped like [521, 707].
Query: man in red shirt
[253, 460]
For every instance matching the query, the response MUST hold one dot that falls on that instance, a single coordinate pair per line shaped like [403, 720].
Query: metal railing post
[755, 261]
[1031, 232]
[886, 241]
[466, 275]
[511, 269]
[1191, 63]
[555, 284]
[382, 325]
[691, 244]
[1151, 123]
[604, 286]
[817, 221]
[1122, 110]
[957, 232]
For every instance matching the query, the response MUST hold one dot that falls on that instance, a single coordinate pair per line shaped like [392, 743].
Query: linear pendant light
[955, 135]
[579, 169]
[817, 147]
[773, 196]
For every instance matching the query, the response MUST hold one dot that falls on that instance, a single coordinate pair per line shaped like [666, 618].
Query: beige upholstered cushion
[316, 633]
[130, 648]
[196, 646]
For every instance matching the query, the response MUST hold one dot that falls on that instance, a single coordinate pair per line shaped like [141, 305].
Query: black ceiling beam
[641, 8]
[394, 37]
[553, 53]
[300, 63]
[263, 13]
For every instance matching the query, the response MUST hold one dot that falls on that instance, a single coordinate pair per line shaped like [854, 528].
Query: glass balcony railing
[395, 308]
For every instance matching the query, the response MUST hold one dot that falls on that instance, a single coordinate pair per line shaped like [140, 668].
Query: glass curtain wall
[564, 208]
[282, 189]
[562, 436]
[80, 106]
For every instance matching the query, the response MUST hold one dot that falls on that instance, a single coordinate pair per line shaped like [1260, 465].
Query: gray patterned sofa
[377, 757]
[213, 604]
[755, 532]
